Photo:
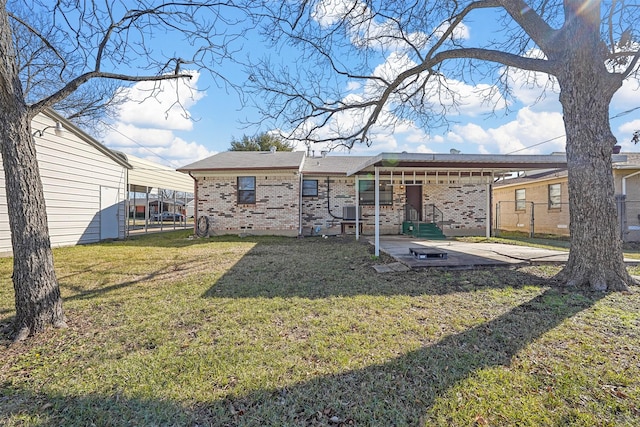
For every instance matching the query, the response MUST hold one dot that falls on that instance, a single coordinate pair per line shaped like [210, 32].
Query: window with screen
[554, 196]
[520, 200]
[309, 187]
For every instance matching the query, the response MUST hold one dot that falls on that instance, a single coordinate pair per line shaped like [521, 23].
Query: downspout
[300, 204]
[624, 182]
[195, 203]
[624, 198]
[329, 203]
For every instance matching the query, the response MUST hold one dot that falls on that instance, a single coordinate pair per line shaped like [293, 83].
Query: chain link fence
[531, 218]
[629, 219]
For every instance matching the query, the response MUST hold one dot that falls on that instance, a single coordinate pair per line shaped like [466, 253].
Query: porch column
[146, 210]
[487, 221]
[357, 208]
[377, 210]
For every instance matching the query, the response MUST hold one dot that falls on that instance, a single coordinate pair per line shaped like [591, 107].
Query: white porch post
[357, 208]
[488, 215]
[377, 214]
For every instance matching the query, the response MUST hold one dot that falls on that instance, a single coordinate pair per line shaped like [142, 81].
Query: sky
[212, 116]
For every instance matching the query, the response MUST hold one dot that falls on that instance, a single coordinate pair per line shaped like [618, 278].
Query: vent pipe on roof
[323, 153]
[273, 149]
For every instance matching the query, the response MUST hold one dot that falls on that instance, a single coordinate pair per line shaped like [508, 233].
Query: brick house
[533, 203]
[290, 193]
[537, 202]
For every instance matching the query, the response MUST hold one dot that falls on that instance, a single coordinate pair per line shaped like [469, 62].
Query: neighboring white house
[85, 185]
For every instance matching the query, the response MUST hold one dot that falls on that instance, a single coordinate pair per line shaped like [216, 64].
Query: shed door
[414, 198]
[109, 207]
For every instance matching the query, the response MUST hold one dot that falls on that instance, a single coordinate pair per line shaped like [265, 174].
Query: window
[309, 188]
[554, 196]
[246, 190]
[368, 194]
[520, 200]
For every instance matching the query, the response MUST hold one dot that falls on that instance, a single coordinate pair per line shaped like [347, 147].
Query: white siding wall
[72, 173]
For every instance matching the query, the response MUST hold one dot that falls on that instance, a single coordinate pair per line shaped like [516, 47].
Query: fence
[629, 219]
[531, 218]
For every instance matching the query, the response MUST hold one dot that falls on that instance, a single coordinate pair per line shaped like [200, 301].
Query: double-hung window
[246, 190]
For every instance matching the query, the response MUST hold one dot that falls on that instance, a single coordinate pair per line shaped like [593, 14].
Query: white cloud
[145, 126]
[627, 96]
[366, 30]
[529, 129]
[446, 96]
[162, 105]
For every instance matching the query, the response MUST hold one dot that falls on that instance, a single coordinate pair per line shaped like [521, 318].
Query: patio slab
[461, 255]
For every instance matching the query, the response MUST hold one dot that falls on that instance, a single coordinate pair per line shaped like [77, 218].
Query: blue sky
[532, 126]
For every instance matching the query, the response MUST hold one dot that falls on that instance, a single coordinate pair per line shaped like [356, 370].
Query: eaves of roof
[70, 127]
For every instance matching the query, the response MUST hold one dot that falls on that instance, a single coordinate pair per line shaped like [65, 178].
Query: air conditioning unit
[349, 213]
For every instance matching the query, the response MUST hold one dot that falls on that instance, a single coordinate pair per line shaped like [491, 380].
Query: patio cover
[486, 163]
[146, 174]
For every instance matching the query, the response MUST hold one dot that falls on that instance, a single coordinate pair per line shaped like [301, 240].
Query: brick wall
[464, 207]
[276, 210]
[546, 221]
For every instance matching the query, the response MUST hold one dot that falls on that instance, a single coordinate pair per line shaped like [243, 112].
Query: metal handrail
[433, 214]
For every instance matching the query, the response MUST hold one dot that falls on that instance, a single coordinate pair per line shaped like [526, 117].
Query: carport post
[377, 211]
[488, 213]
[357, 208]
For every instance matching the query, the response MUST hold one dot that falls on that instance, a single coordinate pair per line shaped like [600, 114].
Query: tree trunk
[596, 258]
[37, 294]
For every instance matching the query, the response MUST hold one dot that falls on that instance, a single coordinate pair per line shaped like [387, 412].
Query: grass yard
[268, 331]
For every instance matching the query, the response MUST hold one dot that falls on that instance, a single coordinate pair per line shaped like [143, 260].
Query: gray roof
[631, 161]
[532, 176]
[331, 164]
[248, 160]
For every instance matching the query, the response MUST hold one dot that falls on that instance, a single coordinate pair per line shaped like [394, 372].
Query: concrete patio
[462, 255]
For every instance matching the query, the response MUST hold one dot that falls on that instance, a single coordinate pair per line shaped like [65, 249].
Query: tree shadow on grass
[30, 408]
[400, 392]
[319, 268]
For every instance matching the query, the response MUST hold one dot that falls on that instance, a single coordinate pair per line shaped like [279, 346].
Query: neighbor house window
[309, 187]
[554, 196]
[520, 200]
[246, 190]
[368, 194]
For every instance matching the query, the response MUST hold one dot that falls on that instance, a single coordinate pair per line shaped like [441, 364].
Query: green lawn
[229, 331]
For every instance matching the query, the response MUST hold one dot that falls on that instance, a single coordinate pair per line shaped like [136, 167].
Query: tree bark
[37, 293]
[586, 88]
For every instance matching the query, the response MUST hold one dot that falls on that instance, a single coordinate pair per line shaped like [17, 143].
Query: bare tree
[72, 44]
[586, 48]
[39, 71]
